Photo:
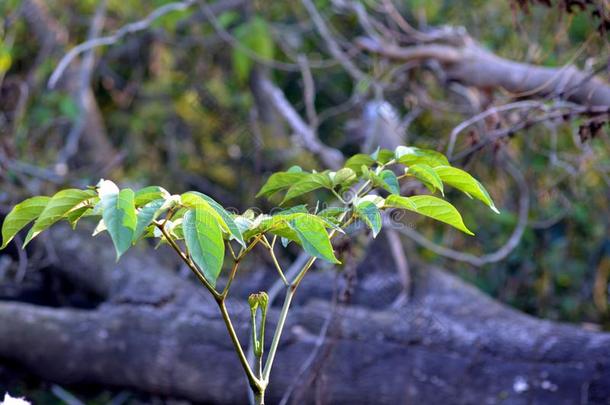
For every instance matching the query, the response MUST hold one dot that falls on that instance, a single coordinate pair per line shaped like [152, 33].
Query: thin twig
[114, 38]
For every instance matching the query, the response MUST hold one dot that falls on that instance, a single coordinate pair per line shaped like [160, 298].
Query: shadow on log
[160, 333]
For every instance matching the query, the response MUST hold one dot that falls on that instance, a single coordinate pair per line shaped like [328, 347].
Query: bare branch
[331, 157]
[114, 38]
[331, 43]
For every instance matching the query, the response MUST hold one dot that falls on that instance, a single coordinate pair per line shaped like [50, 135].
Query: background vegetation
[178, 107]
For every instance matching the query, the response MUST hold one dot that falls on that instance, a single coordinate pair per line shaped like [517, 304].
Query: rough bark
[160, 333]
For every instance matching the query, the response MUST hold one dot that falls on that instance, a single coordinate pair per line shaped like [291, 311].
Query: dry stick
[331, 43]
[309, 92]
[331, 157]
[111, 39]
[482, 115]
[402, 264]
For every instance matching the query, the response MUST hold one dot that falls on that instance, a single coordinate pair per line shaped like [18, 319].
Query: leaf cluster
[365, 186]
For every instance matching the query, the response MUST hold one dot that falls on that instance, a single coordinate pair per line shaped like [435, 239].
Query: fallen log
[160, 333]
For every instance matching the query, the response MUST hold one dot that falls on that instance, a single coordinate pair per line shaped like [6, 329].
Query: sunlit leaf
[279, 181]
[382, 155]
[57, 207]
[389, 181]
[148, 194]
[226, 217]
[409, 155]
[466, 183]
[344, 177]
[430, 206]
[21, 215]
[311, 182]
[357, 161]
[427, 176]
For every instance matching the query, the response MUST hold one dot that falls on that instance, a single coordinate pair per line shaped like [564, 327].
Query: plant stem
[255, 383]
[278, 332]
[292, 288]
[275, 261]
[188, 262]
[225, 292]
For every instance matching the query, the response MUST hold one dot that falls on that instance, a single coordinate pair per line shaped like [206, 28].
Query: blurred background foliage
[178, 108]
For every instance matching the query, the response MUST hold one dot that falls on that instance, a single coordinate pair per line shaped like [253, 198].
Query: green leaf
[430, 206]
[254, 35]
[119, 215]
[75, 215]
[313, 236]
[21, 215]
[344, 177]
[382, 156]
[357, 161]
[389, 181]
[301, 208]
[56, 209]
[146, 216]
[148, 194]
[226, 217]
[311, 182]
[204, 241]
[370, 215]
[427, 176]
[279, 181]
[409, 155]
[332, 212]
[466, 183]
[195, 199]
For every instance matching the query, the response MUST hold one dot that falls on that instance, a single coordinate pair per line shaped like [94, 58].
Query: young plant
[201, 231]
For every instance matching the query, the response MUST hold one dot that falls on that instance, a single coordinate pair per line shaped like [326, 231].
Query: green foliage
[310, 182]
[201, 230]
[120, 217]
[371, 215]
[432, 207]
[204, 241]
[21, 215]
[427, 175]
[58, 207]
[255, 36]
[206, 226]
[466, 183]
